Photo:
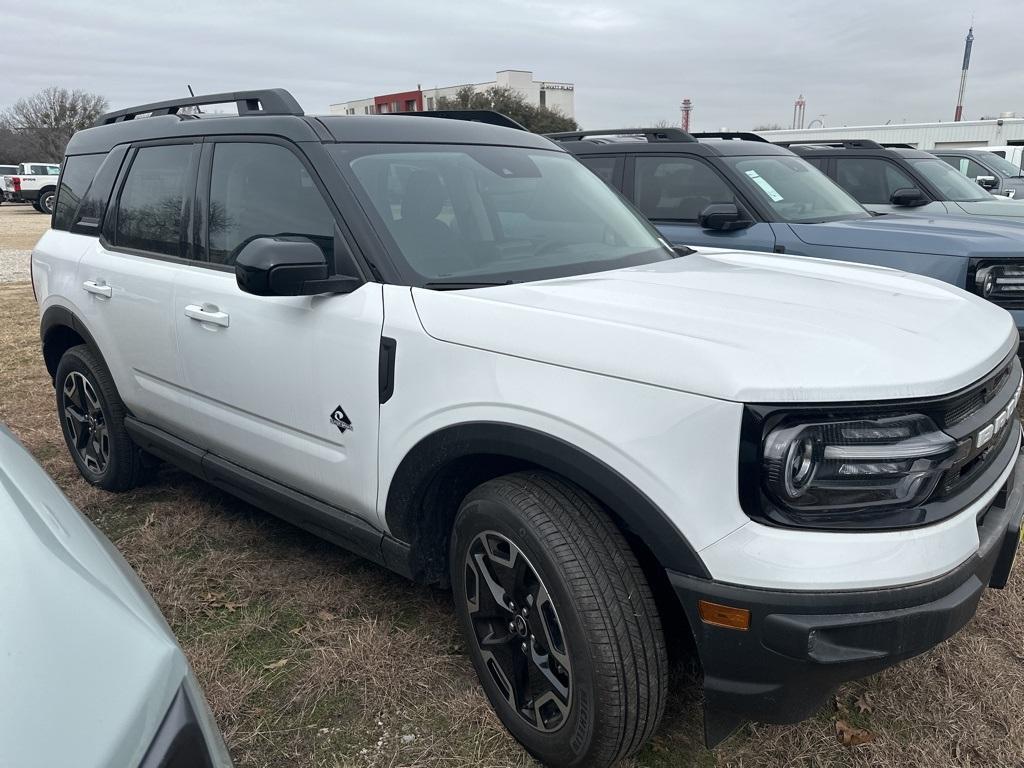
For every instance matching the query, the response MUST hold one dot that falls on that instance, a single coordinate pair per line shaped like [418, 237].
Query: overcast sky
[742, 63]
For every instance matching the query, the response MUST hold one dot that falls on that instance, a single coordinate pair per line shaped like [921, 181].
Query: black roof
[717, 148]
[960, 151]
[863, 151]
[285, 119]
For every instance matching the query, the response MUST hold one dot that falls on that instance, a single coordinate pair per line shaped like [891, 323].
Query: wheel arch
[59, 330]
[437, 473]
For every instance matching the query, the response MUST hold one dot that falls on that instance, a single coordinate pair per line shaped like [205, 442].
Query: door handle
[207, 313]
[98, 288]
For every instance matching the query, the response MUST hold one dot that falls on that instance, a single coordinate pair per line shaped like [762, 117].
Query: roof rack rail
[844, 143]
[488, 116]
[897, 145]
[651, 134]
[731, 136]
[270, 101]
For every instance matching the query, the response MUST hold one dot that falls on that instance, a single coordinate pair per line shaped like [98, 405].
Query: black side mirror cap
[724, 217]
[287, 266]
[908, 197]
[988, 182]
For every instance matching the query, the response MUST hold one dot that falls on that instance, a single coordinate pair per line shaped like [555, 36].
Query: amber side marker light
[724, 615]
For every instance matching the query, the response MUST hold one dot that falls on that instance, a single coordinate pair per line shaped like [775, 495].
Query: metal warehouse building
[968, 133]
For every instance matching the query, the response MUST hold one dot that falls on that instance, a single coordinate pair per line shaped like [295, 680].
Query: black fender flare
[639, 515]
[57, 317]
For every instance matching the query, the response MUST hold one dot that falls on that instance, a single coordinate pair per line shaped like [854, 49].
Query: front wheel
[559, 620]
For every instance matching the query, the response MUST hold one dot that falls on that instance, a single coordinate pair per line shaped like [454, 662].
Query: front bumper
[801, 645]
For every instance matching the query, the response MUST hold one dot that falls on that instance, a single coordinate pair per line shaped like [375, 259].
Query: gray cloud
[742, 63]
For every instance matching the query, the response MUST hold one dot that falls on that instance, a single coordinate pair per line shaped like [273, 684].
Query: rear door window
[150, 210]
[78, 174]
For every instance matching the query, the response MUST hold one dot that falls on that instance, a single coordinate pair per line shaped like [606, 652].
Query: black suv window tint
[78, 174]
[149, 211]
[602, 167]
[677, 188]
[966, 166]
[870, 179]
[261, 190]
[817, 162]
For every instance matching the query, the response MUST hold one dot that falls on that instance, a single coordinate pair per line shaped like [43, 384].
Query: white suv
[448, 346]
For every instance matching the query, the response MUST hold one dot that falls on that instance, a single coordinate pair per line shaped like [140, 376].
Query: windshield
[951, 184]
[497, 214]
[794, 189]
[1002, 165]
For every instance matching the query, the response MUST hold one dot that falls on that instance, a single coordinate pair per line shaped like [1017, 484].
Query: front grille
[964, 415]
[963, 473]
[961, 407]
[1000, 281]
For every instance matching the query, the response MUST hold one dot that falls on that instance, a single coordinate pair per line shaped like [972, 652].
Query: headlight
[1001, 283]
[857, 465]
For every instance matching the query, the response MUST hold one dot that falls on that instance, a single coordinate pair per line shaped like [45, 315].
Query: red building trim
[403, 101]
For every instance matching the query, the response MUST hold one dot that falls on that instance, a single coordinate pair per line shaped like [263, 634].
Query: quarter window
[677, 188]
[870, 180]
[78, 173]
[602, 167]
[149, 211]
[263, 190]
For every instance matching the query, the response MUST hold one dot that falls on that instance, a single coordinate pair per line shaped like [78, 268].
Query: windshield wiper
[455, 285]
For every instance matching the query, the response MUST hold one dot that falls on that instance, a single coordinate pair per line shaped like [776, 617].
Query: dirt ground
[313, 657]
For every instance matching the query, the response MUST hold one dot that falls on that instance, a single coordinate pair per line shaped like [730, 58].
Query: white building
[1000, 131]
[543, 93]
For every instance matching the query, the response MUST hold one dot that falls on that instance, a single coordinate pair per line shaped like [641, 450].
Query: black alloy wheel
[518, 631]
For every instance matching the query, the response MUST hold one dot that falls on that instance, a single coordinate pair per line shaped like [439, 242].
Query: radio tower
[798, 112]
[686, 108]
[963, 75]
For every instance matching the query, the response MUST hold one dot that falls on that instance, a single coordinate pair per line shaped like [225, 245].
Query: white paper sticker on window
[768, 188]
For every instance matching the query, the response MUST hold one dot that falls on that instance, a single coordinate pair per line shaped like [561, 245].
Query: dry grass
[374, 673]
[20, 226]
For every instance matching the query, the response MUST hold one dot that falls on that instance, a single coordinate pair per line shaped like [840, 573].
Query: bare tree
[49, 118]
[767, 127]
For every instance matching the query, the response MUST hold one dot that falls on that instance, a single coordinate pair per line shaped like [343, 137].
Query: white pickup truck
[34, 183]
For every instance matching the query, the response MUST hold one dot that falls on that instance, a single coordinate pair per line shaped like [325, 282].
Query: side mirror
[724, 217]
[908, 197]
[987, 182]
[287, 266]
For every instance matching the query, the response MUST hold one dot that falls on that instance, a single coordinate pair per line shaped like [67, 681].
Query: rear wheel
[45, 202]
[92, 419]
[559, 620]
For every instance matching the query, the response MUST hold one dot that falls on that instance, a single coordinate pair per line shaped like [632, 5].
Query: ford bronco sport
[450, 347]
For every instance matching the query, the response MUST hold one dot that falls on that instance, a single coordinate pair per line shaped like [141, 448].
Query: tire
[91, 417]
[35, 204]
[540, 543]
[44, 203]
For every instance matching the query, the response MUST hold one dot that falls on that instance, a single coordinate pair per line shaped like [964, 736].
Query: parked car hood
[89, 667]
[740, 326]
[998, 206]
[940, 235]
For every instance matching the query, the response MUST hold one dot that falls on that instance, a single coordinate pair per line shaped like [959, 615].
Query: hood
[940, 235]
[740, 326]
[998, 206]
[89, 667]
